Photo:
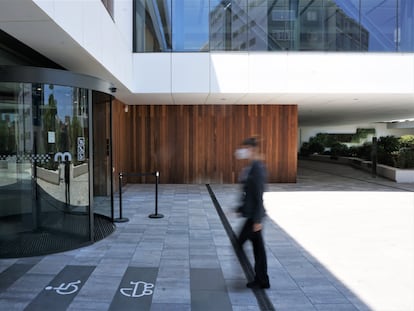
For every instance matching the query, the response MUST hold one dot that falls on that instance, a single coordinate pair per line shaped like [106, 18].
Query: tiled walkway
[338, 239]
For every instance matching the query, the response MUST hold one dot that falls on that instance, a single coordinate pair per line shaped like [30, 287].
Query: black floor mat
[49, 240]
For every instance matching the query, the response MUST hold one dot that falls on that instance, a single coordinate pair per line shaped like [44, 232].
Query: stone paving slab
[308, 247]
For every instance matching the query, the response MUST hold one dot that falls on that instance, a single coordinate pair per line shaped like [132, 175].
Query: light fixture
[126, 108]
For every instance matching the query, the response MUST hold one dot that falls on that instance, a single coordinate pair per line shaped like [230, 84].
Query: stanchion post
[120, 219]
[156, 215]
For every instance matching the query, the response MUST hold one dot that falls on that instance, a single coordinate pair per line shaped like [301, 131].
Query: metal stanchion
[156, 215]
[120, 219]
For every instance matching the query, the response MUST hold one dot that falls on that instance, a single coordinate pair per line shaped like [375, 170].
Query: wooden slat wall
[195, 144]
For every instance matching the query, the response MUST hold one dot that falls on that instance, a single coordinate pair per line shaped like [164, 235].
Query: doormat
[46, 241]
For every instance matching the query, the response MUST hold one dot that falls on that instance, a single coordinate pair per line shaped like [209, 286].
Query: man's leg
[260, 265]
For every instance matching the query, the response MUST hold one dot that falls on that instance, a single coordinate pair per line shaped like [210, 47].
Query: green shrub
[406, 141]
[320, 138]
[316, 147]
[311, 148]
[338, 149]
[363, 152]
[387, 147]
[388, 143]
[391, 150]
[405, 158]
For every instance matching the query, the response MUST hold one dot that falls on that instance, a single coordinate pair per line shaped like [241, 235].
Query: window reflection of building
[349, 35]
[152, 26]
[284, 25]
[405, 39]
[272, 25]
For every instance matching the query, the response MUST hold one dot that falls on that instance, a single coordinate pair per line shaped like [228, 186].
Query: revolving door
[47, 166]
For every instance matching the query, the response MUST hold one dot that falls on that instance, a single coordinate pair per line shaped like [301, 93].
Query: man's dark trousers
[260, 265]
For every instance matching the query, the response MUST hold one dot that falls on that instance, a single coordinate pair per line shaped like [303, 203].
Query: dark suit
[252, 208]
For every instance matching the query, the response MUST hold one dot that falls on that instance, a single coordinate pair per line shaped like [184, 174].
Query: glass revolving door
[45, 169]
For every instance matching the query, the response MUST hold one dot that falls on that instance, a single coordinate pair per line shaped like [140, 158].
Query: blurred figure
[253, 179]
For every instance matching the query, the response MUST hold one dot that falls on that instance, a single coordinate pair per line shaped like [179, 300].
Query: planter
[4, 164]
[49, 176]
[396, 174]
[80, 170]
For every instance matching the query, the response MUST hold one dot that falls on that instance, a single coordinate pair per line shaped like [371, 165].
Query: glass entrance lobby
[51, 123]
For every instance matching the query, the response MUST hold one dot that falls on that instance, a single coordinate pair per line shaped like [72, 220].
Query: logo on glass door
[63, 156]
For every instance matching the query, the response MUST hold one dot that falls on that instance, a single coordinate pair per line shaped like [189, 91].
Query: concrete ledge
[79, 170]
[396, 174]
[50, 176]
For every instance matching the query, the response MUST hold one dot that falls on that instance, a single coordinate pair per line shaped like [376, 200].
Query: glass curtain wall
[274, 25]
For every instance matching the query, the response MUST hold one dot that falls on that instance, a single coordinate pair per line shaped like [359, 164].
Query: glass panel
[152, 25]
[16, 150]
[190, 25]
[63, 181]
[220, 25]
[102, 166]
[344, 29]
[406, 26]
[44, 180]
[228, 25]
[60, 129]
[314, 18]
[260, 27]
[284, 24]
[379, 17]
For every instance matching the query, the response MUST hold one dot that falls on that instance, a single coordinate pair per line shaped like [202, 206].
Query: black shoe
[257, 285]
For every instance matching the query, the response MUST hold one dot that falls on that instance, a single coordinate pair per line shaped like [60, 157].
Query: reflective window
[228, 25]
[405, 38]
[345, 31]
[190, 21]
[269, 25]
[152, 24]
[380, 17]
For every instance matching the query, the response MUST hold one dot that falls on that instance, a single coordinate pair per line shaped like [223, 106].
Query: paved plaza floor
[338, 239]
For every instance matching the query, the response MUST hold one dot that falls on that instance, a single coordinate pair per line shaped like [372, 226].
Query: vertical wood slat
[195, 144]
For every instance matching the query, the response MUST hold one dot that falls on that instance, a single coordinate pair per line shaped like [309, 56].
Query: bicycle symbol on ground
[65, 288]
[139, 289]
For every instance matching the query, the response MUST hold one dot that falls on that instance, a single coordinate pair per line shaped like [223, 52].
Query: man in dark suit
[253, 180]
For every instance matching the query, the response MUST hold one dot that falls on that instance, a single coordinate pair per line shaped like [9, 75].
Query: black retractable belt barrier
[156, 214]
[120, 218]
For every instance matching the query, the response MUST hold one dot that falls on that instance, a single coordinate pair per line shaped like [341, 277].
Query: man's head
[250, 142]
[248, 149]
